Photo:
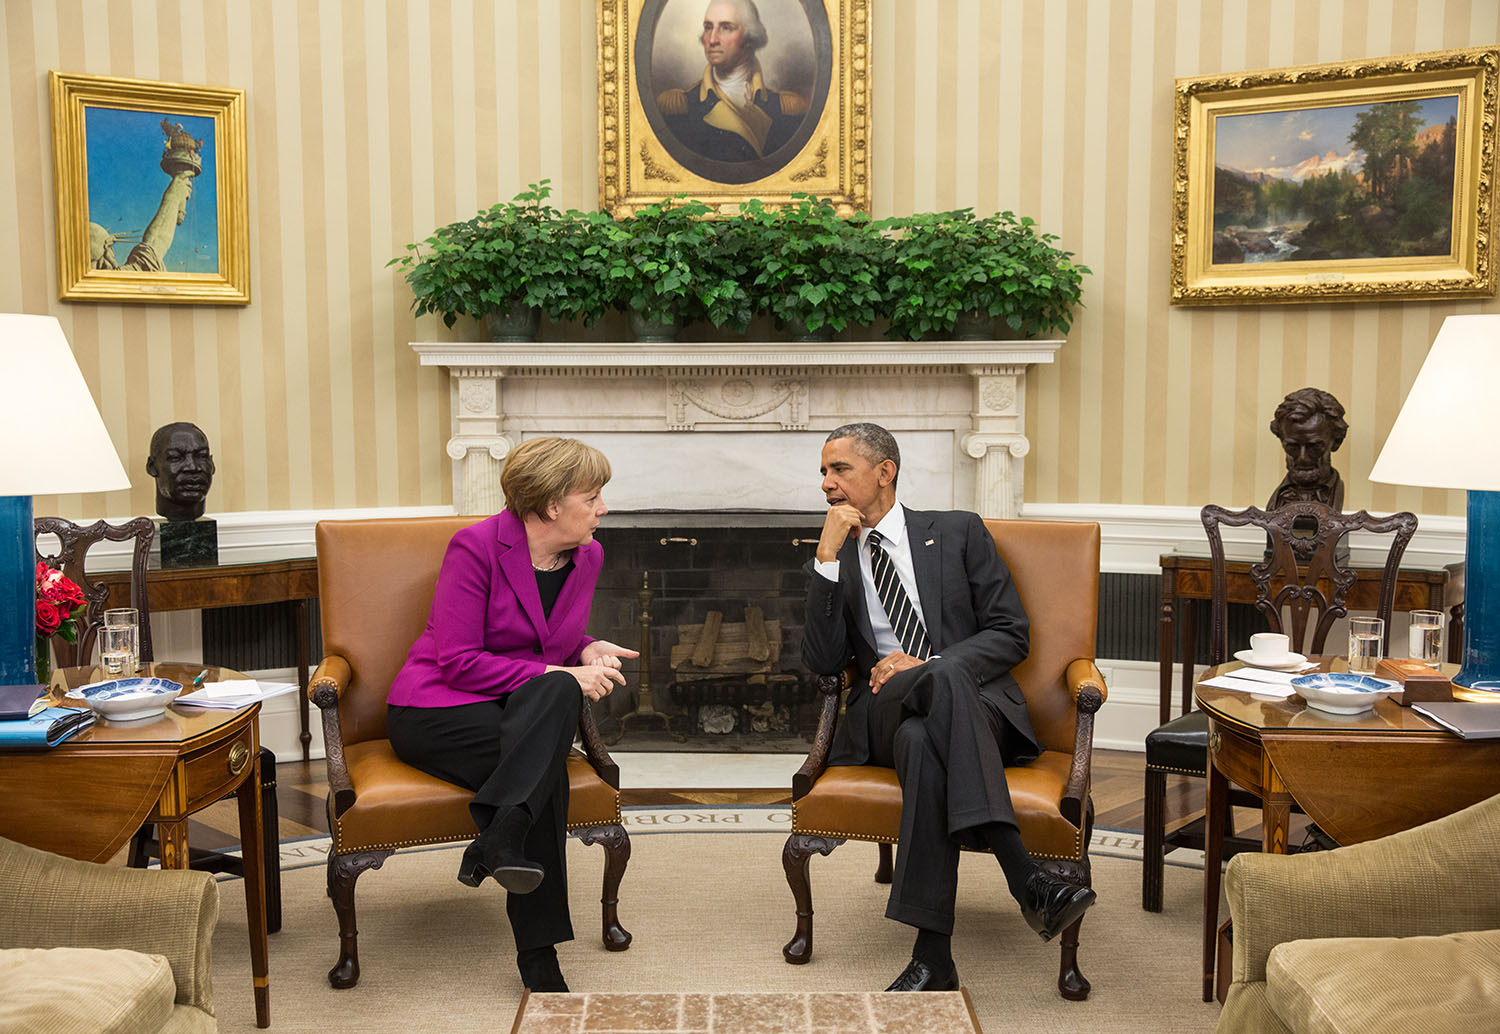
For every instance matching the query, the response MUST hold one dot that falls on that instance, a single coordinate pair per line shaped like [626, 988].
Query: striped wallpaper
[372, 122]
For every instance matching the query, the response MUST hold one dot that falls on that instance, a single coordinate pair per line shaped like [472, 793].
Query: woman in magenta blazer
[490, 693]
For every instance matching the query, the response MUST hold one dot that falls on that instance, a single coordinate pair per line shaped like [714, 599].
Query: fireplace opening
[714, 602]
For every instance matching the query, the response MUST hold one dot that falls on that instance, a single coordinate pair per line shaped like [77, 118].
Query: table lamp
[54, 442]
[1446, 437]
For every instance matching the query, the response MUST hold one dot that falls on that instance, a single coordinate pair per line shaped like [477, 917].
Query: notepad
[1469, 719]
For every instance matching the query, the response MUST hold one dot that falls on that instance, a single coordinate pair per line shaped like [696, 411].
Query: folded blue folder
[46, 728]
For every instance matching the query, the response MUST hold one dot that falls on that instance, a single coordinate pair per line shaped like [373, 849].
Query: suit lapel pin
[928, 542]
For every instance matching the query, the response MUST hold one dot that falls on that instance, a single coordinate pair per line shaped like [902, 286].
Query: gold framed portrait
[725, 100]
[152, 191]
[1359, 180]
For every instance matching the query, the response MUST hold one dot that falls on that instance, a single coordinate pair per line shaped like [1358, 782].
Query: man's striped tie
[904, 619]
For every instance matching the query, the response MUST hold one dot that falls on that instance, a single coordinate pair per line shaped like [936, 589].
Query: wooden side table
[293, 579]
[87, 796]
[1188, 577]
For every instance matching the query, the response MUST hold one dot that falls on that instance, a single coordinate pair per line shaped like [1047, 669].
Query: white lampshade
[54, 439]
[1447, 434]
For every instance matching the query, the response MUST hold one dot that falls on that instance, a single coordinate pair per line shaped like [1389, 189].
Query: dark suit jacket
[973, 615]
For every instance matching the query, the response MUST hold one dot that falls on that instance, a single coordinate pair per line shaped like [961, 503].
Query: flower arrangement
[59, 607]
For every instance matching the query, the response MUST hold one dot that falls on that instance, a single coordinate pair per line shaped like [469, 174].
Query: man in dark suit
[925, 610]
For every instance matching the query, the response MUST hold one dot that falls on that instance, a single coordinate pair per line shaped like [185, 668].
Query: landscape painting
[1342, 182]
[1361, 180]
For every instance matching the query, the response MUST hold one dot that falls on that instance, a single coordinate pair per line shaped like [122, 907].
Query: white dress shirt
[893, 527]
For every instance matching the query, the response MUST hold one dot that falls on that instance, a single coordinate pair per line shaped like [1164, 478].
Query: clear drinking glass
[121, 652]
[1366, 644]
[1424, 637]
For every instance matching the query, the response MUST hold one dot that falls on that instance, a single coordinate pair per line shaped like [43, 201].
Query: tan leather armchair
[376, 581]
[1055, 566]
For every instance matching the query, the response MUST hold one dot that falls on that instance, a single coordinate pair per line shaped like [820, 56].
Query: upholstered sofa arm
[1435, 879]
[47, 901]
[325, 689]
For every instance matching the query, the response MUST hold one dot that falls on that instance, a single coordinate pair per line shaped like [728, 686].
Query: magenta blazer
[486, 634]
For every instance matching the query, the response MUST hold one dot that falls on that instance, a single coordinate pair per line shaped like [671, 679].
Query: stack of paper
[1259, 681]
[235, 693]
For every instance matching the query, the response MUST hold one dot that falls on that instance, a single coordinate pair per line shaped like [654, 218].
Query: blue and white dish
[1342, 692]
[123, 700]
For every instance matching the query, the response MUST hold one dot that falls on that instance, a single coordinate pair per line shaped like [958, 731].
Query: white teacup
[1269, 648]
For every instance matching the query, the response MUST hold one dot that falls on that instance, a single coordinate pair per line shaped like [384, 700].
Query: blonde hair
[540, 471]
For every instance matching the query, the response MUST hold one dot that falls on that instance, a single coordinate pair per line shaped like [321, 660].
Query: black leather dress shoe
[1051, 905]
[918, 976]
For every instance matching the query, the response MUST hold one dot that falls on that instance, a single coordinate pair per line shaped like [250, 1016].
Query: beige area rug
[709, 912]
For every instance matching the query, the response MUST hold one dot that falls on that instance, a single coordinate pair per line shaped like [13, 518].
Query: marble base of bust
[187, 543]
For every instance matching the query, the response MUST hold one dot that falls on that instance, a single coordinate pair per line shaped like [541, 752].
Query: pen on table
[198, 679]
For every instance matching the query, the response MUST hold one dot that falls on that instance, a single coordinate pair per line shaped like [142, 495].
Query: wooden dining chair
[1301, 590]
[74, 542]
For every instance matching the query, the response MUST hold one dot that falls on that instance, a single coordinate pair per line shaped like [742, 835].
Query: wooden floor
[302, 789]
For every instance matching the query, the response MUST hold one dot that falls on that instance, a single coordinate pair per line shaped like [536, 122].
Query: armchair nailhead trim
[1076, 856]
[449, 838]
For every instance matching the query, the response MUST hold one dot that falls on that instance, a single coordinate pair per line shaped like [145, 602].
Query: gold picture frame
[664, 132]
[1276, 197]
[156, 171]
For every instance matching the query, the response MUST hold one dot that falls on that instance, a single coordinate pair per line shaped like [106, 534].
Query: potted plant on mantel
[954, 273]
[507, 265]
[668, 266]
[815, 271]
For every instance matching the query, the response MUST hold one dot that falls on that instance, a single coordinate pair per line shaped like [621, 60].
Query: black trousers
[944, 739]
[509, 751]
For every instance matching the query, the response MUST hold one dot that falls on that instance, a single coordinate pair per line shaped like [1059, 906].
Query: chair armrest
[325, 689]
[1086, 685]
[831, 689]
[1434, 879]
[593, 746]
[47, 901]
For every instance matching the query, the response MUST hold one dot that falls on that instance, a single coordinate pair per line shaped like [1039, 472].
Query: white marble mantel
[738, 425]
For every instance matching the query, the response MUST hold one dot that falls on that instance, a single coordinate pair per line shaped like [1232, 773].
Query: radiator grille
[259, 638]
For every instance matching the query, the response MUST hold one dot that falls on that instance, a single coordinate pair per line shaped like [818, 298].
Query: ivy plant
[941, 264]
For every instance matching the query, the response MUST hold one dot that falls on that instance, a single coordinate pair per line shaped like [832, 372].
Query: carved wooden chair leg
[799, 849]
[1153, 849]
[616, 844]
[343, 870]
[1071, 983]
[884, 870]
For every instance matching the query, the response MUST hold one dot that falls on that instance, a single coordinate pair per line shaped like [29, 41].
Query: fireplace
[715, 497]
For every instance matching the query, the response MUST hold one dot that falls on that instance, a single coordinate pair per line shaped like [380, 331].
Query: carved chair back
[1303, 577]
[74, 543]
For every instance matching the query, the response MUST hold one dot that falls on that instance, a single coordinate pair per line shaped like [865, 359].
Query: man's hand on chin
[842, 521]
[889, 666]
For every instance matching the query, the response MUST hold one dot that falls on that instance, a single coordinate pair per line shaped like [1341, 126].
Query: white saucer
[1289, 662]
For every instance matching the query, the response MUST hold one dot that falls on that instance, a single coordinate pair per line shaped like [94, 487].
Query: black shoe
[1051, 905]
[540, 972]
[499, 854]
[918, 976]
[472, 871]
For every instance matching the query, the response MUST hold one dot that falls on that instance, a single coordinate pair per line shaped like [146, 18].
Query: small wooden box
[1419, 683]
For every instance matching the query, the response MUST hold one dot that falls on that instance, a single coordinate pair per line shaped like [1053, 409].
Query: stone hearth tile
[837, 1013]
[748, 1013]
[549, 1023]
[695, 1011]
[550, 1004]
[931, 1012]
[630, 1012]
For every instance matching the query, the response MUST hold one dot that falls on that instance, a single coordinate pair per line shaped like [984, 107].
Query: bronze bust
[1310, 423]
[183, 468]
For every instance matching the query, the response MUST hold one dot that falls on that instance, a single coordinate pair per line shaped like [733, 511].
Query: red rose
[47, 618]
